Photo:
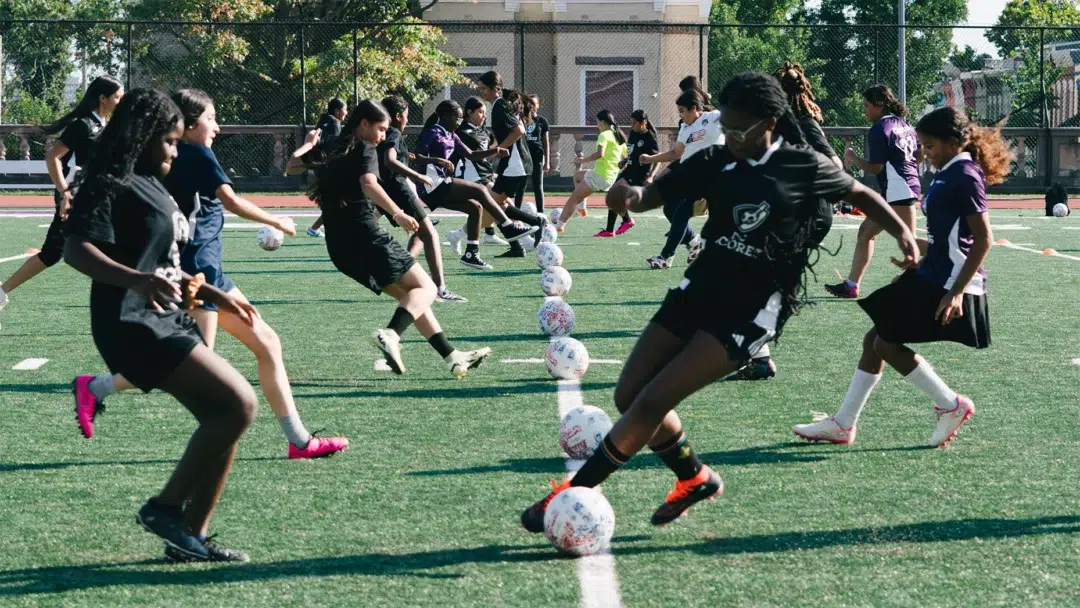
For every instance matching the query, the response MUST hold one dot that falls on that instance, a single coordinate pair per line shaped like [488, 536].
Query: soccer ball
[579, 521]
[1061, 210]
[551, 234]
[548, 254]
[270, 238]
[582, 430]
[567, 359]
[529, 208]
[555, 281]
[554, 216]
[528, 245]
[556, 317]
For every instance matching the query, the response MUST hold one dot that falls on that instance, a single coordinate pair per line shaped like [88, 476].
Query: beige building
[561, 51]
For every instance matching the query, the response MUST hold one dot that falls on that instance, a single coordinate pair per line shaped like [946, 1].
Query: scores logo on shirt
[697, 136]
[750, 217]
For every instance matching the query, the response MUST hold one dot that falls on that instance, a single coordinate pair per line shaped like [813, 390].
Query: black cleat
[705, 486]
[513, 252]
[539, 231]
[757, 369]
[216, 553]
[168, 523]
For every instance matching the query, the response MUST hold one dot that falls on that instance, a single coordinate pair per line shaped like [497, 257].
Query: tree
[968, 60]
[38, 58]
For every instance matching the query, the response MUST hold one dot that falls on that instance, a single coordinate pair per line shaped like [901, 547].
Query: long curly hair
[792, 255]
[985, 144]
[329, 164]
[799, 91]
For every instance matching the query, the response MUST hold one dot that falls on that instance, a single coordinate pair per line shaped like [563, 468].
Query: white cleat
[494, 239]
[389, 342]
[950, 421]
[460, 362]
[455, 237]
[825, 429]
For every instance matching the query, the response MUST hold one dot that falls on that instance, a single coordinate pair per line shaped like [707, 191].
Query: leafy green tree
[35, 56]
[968, 59]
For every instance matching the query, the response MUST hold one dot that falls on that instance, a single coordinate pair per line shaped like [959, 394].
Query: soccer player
[642, 141]
[196, 174]
[944, 299]
[347, 190]
[329, 128]
[438, 145]
[610, 152]
[77, 130]
[762, 190]
[125, 232]
[893, 156]
[700, 129]
[395, 173]
[538, 138]
[506, 108]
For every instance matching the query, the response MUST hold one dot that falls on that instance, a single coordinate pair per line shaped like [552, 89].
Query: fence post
[1044, 120]
[700, 55]
[130, 43]
[521, 51]
[355, 66]
[877, 78]
[303, 77]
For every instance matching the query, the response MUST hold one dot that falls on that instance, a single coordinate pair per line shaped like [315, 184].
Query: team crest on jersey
[750, 217]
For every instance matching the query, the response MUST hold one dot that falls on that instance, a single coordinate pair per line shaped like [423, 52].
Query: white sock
[862, 384]
[763, 353]
[926, 380]
[294, 430]
[102, 386]
[472, 242]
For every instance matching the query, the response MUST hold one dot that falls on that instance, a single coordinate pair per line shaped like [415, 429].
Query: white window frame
[469, 70]
[635, 69]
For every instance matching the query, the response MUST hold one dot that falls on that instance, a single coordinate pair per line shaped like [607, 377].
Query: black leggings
[537, 184]
[678, 213]
[611, 215]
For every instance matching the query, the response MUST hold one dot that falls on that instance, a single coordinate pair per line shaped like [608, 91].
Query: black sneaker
[168, 523]
[532, 519]
[472, 260]
[515, 251]
[434, 222]
[757, 369]
[705, 486]
[516, 231]
[217, 553]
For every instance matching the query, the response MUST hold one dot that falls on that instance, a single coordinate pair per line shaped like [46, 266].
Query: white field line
[596, 573]
[1030, 250]
[22, 256]
[29, 364]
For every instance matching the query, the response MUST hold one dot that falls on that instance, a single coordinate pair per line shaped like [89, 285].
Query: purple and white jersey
[892, 142]
[958, 190]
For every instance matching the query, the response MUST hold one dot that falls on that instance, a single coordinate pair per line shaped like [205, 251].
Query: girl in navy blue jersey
[944, 299]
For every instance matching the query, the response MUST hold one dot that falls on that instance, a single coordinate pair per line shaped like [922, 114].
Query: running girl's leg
[581, 191]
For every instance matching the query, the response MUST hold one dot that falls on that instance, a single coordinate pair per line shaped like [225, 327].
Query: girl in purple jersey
[943, 299]
[893, 156]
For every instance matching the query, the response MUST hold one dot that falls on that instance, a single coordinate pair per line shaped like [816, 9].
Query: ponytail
[984, 144]
[444, 108]
[513, 96]
[641, 116]
[882, 95]
[431, 120]
[608, 117]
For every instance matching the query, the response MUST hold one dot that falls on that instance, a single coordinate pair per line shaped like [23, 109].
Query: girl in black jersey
[642, 141]
[762, 190]
[538, 139]
[76, 130]
[125, 233]
[477, 137]
[347, 191]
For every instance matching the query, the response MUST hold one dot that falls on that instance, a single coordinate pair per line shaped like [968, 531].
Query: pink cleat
[604, 234]
[624, 227]
[319, 447]
[87, 405]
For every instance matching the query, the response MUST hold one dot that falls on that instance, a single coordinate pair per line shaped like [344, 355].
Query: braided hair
[329, 166]
[882, 95]
[985, 144]
[799, 91]
[760, 96]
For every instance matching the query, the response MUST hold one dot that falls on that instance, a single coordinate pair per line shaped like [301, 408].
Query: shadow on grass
[425, 564]
[42, 388]
[455, 391]
[11, 467]
[768, 454]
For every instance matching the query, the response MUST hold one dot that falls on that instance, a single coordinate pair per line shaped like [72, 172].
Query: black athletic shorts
[404, 197]
[686, 311]
[52, 250]
[374, 260]
[148, 352]
[437, 197]
[509, 186]
[907, 202]
[903, 313]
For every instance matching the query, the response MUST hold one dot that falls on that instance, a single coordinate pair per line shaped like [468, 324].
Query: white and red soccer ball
[566, 359]
[555, 281]
[579, 521]
[556, 317]
[582, 430]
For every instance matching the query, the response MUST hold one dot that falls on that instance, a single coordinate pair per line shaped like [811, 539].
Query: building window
[611, 88]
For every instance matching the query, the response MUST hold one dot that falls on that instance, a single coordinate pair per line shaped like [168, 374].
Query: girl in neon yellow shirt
[610, 150]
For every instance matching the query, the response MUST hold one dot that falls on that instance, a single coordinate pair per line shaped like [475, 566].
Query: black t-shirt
[815, 136]
[476, 138]
[394, 184]
[329, 127]
[78, 137]
[534, 135]
[345, 207]
[639, 143]
[503, 121]
[751, 207]
[140, 226]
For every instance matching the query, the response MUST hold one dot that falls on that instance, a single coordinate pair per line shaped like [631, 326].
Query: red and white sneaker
[319, 447]
[87, 405]
[826, 429]
[950, 421]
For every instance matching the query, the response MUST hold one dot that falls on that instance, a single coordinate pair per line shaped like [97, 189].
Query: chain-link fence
[271, 80]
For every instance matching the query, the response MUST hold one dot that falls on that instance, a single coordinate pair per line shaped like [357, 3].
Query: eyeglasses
[739, 136]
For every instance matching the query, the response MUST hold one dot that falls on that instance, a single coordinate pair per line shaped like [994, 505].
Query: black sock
[518, 215]
[490, 230]
[679, 457]
[401, 321]
[626, 218]
[606, 460]
[441, 344]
